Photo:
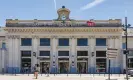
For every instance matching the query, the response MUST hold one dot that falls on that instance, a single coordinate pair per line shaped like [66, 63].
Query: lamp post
[126, 52]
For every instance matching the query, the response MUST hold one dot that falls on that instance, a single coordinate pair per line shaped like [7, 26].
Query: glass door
[44, 67]
[63, 67]
[82, 67]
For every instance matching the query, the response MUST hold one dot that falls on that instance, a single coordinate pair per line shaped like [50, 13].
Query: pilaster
[92, 60]
[73, 58]
[17, 52]
[54, 58]
[34, 49]
[10, 54]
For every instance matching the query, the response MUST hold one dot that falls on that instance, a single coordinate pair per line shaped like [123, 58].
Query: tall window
[82, 53]
[130, 59]
[44, 41]
[26, 60]
[44, 53]
[26, 41]
[26, 64]
[100, 41]
[26, 53]
[63, 53]
[64, 42]
[100, 53]
[130, 62]
[82, 42]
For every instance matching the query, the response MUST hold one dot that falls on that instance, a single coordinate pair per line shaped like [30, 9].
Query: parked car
[130, 72]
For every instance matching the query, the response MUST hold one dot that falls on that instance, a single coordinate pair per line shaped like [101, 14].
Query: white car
[130, 72]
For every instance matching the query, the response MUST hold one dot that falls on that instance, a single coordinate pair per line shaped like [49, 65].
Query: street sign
[111, 53]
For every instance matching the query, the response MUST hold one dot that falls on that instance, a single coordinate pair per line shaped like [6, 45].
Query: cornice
[62, 30]
[13, 36]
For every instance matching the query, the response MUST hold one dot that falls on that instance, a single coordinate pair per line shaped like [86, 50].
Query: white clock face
[63, 17]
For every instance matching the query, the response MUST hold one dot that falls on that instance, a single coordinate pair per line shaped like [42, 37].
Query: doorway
[63, 67]
[82, 65]
[44, 67]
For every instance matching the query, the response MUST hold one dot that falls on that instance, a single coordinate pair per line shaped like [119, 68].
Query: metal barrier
[14, 72]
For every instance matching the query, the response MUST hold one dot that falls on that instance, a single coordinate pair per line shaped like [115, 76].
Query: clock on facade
[63, 17]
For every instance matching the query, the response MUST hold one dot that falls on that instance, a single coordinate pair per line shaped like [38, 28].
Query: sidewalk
[61, 77]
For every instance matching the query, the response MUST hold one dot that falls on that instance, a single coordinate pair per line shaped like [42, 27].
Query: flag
[90, 23]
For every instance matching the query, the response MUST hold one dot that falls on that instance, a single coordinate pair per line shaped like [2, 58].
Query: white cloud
[92, 4]
[55, 4]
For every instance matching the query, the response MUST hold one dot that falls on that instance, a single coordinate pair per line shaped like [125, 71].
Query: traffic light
[125, 52]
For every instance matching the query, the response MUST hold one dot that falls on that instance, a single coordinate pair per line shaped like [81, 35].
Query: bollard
[3, 71]
[15, 72]
[12, 71]
[41, 72]
[47, 74]
[28, 72]
[22, 71]
[54, 71]
[67, 74]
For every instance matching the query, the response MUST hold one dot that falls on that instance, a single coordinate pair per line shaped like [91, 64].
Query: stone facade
[17, 29]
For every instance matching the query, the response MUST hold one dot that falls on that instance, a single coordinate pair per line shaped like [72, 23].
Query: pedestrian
[34, 68]
[36, 71]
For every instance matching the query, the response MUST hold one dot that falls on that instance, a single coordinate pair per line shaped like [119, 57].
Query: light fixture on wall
[72, 55]
[92, 54]
[34, 54]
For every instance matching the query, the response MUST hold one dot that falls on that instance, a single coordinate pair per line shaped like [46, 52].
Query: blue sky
[80, 9]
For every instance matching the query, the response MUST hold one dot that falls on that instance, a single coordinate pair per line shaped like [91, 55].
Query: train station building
[61, 45]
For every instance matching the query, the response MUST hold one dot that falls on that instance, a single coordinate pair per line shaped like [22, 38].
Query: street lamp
[126, 52]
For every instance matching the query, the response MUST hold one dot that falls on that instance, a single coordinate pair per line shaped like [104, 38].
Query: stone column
[112, 61]
[54, 59]
[34, 49]
[17, 54]
[92, 68]
[3, 59]
[118, 46]
[10, 54]
[13, 53]
[73, 60]
[0, 56]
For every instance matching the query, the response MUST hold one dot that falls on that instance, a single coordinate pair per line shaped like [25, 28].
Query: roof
[57, 23]
[66, 22]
